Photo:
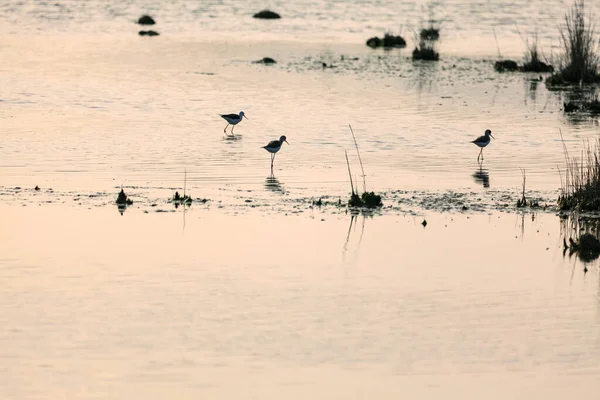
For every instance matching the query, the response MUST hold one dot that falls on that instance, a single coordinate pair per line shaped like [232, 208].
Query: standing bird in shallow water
[233, 120]
[274, 146]
[483, 141]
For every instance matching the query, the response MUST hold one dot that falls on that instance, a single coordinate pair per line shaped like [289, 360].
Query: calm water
[292, 306]
[255, 287]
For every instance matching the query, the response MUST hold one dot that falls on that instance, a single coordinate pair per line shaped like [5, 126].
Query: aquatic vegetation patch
[123, 199]
[425, 51]
[524, 201]
[580, 63]
[389, 41]
[430, 33]
[506, 65]
[367, 199]
[178, 199]
[580, 189]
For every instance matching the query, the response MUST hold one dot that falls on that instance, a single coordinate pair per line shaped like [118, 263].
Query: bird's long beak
[492, 136]
[286, 141]
[245, 117]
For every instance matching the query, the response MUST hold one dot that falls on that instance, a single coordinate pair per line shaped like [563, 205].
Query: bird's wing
[230, 116]
[273, 144]
[480, 139]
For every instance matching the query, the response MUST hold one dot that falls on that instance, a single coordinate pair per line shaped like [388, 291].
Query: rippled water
[92, 106]
[256, 287]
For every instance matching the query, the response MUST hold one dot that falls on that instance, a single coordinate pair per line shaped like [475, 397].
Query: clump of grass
[123, 199]
[580, 189]
[389, 40]
[524, 201]
[181, 199]
[533, 63]
[185, 198]
[581, 62]
[432, 30]
[367, 199]
[506, 65]
[425, 51]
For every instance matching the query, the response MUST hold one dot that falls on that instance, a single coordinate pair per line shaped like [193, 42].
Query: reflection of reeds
[580, 189]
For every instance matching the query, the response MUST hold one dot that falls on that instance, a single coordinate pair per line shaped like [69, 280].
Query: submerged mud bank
[396, 202]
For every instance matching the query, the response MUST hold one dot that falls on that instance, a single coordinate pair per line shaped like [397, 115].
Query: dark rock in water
[425, 53]
[387, 41]
[424, 223]
[36, 188]
[266, 60]
[148, 33]
[266, 14]
[146, 20]
[506, 65]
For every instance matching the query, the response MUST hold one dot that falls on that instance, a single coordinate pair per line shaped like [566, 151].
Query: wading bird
[233, 120]
[274, 146]
[483, 141]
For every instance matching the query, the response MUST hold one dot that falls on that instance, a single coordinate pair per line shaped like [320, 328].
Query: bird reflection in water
[482, 176]
[273, 184]
[232, 138]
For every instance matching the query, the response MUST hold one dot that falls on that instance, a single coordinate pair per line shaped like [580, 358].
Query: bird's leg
[232, 126]
[225, 130]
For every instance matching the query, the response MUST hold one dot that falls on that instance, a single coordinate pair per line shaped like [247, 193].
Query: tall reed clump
[580, 62]
[425, 49]
[533, 62]
[367, 199]
[580, 189]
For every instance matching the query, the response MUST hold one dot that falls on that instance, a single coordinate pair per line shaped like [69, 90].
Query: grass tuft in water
[580, 189]
[580, 62]
[389, 40]
[367, 199]
[425, 51]
[506, 65]
[533, 63]
[123, 200]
